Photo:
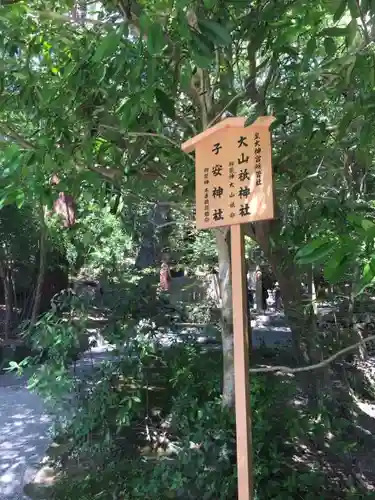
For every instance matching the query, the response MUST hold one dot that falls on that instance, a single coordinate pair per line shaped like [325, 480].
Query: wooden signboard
[233, 179]
[233, 173]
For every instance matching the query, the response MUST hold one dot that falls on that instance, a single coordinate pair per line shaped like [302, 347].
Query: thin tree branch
[172, 223]
[228, 105]
[271, 73]
[322, 364]
[311, 176]
[150, 134]
[366, 34]
[158, 136]
[54, 16]
[12, 134]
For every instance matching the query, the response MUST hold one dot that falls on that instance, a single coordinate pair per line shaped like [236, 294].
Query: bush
[154, 426]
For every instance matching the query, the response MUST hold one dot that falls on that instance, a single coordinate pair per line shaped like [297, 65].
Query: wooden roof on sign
[233, 122]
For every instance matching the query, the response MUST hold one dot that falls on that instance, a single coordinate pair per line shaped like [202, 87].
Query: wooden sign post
[233, 179]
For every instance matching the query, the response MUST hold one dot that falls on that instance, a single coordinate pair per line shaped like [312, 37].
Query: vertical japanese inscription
[258, 159]
[217, 189]
[231, 179]
[243, 177]
[206, 195]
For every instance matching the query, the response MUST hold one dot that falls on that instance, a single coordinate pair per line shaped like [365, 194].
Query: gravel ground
[24, 436]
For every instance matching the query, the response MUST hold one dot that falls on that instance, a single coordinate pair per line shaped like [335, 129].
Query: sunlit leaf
[369, 270]
[367, 224]
[107, 46]
[156, 40]
[20, 199]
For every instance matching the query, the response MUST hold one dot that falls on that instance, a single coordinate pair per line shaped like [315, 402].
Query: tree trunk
[354, 332]
[7, 284]
[225, 282]
[42, 269]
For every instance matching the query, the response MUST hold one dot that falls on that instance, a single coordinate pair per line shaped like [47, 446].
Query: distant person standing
[165, 274]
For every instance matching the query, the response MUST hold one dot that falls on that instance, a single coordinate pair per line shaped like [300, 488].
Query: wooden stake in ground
[241, 365]
[233, 180]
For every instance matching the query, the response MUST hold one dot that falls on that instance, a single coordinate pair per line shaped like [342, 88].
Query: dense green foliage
[153, 425]
[103, 94]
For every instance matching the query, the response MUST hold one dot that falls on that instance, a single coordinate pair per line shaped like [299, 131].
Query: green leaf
[354, 9]
[215, 32]
[167, 105]
[310, 247]
[185, 76]
[349, 69]
[335, 267]
[201, 61]
[345, 122]
[307, 125]
[13, 365]
[355, 220]
[366, 134]
[310, 48]
[156, 40]
[20, 75]
[130, 110]
[107, 46]
[329, 46]
[335, 31]
[120, 207]
[352, 32]
[366, 6]
[340, 11]
[87, 239]
[367, 224]
[20, 199]
[249, 121]
[203, 50]
[368, 273]
[315, 251]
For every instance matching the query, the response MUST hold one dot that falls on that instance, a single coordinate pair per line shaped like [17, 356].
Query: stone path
[24, 436]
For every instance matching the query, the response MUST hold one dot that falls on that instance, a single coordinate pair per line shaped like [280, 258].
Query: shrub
[154, 426]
